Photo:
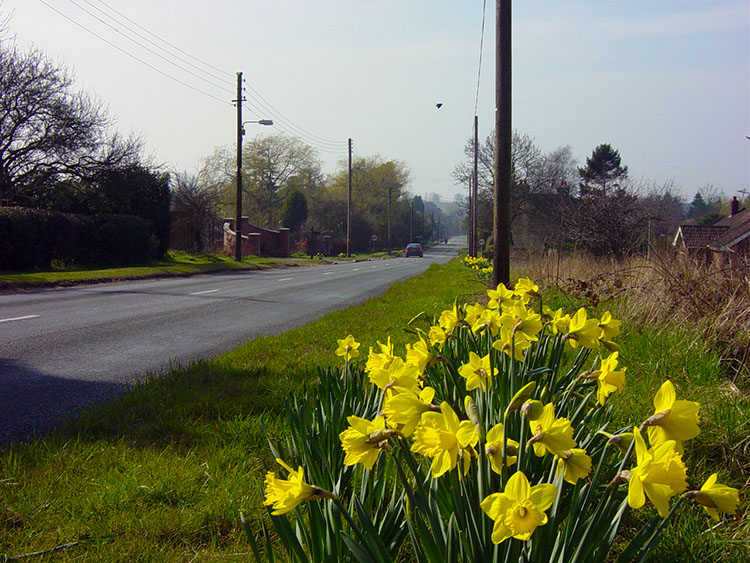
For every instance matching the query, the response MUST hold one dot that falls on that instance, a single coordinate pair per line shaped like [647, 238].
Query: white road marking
[205, 292]
[327, 273]
[285, 279]
[355, 269]
[19, 318]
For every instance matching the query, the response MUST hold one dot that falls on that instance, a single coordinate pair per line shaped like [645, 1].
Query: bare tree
[49, 133]
[196, 209]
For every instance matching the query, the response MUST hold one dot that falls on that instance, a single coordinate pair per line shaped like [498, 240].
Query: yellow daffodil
[519, 509]
[522, 320]
[715, 497]
[609, 327]
[382, 359]
[488, 320]
[525, 289]
[575, 463]
[494, 449]
[659, 474]
[285, 494]
[437, 336]
[419, 354]
[672, 419]
[473, 312]
[446, 439]
[364, 440]
[551, 434]
[608, 378]
[449, 319]
[501, 297]
[397, 374]
[513, 344]
[403, 407]
[348, 348]
[477, 372]
[583, 331]
[557, 320]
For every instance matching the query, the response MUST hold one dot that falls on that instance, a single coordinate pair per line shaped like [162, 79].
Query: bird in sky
[439, 105]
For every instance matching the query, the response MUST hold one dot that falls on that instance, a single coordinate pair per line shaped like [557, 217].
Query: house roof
[699, 236]
[733, 236]
[733, 220]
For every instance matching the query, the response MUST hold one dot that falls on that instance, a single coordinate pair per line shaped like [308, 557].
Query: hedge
[31, 238]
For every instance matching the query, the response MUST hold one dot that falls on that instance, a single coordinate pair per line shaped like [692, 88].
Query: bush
[31, 238]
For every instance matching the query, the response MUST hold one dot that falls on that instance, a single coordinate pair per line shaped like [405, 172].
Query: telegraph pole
[349, 205]
[501, 210]
[238, 217]
[471, 216]
[389, 219]
[475, 223]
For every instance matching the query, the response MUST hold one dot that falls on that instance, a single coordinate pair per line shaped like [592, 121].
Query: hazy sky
[666, 83]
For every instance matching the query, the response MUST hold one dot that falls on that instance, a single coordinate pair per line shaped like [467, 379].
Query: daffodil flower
[575, 463]
[449, 319]
[437, 336]
[520, 509]
[556, 320]
[285, 494]
[397, 374]
[446, 439]
[583, 331]
[672, 419]
[525, 289]
[521, 320]
[513, 344]
[347, 348]
[382, 359]
[659, 474]
[419, 355]
[364, 440]
[715, 497]
[494, 449]
[473, 312]
[501, 297]
[551, 434]
[477, 372]
[609, 327]
[608, 378]
[403, 408]
[489, 320]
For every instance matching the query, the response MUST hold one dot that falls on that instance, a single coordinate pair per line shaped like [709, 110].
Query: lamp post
[238, 216]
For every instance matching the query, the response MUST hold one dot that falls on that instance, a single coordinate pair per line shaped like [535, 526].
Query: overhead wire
[481, 50]
[209, 65]
[259, 103]
[131, 55]
[154, 43]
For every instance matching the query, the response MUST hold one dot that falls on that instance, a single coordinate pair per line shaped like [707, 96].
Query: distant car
[413, 249]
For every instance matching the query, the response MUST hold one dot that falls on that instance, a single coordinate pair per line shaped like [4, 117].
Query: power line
[108, 42]
[155, 44]
[165, 41]
[182, 68]
[481, 49]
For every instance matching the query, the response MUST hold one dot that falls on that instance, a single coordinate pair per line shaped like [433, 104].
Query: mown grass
[176, 263]
[160, 474]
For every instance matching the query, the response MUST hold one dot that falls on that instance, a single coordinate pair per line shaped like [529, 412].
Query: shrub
[489, 441]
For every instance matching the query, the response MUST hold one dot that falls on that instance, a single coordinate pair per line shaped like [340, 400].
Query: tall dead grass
[663, 290]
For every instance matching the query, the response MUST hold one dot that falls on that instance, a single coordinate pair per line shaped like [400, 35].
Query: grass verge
[160, 473]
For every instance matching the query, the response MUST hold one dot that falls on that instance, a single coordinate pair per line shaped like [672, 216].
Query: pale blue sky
[666, 83]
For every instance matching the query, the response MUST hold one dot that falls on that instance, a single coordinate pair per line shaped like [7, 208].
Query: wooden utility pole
[475, 240]
[389, 218]
[503, 136]
[349, 205]
[471, 216]
[238, 215]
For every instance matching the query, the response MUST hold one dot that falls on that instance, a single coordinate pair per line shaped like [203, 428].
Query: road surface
[64, 349]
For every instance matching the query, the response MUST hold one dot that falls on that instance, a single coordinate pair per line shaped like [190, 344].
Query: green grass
[176, 263]
[161, 473]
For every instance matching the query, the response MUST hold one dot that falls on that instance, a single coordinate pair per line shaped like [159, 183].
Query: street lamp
[238, 217]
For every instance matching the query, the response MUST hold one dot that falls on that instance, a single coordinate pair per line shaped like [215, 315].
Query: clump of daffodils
[502, 406]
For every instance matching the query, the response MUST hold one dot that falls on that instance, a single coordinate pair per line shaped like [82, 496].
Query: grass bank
[176, 263]
[160, 474]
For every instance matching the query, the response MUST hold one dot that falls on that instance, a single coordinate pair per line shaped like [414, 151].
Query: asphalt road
[64, 349]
